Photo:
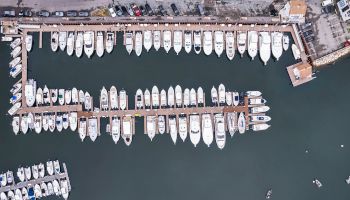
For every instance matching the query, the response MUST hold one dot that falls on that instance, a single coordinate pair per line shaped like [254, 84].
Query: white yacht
[81, 96]
[115, 129]
[183, 127]
[100, 44]
[61, 96]
[173, 129]
[195, 130]
[296, 52]
[57, 167]
[15, 43]
[49, 167]
[167, 41]
[15, 125]
[139, 99]
[177, 41]
[147, 99]
[38, 123]
[39, 97]
[260, 118]
[186, 97]
[3, 196]
[178, 96]
[207, 129]
[257, 101]
[62, 39]
[65, 121]
[67, 96]
[171, 97]
[122, 99]
[70, 43]
[92, 128]
[197, 41]
[163, 100]
[265, 46]
[16, 52]
[113, 97]
[276, 44]
[82, 128]
[79, 44]
[193, 97]
[285, 42]
[59, 123]
[29, 42]
[138, 43]
[252, 44]
[28, 173]
[161, 124]
[15, 98]
[207, 42]
[214, 95]
[260, 127]
[155, 97]
[35, 171]
[200, 96]
[44, 189]
[30, 92]
[89, 43]
[147, 40]
[259, 109]
[16, 88]
[188, 41]
[30, 120]
[15, 62]
[56, 187]
[128, 129]
[219, 42]
[54, 41]
[230, 45]
[73, 120]
[251, 94]
[46, 95]
[52, 122]
[156, 40]
[151, 126]
[129, 42]
[241, 42]
[104, 99]
[75, 96]
[231, 123]
[220, 135]
[64, 189]
[14, 71]
[229, 98]
[222, 94]
[45, 122]
[109, 42]
[41, 168]
[241, 123]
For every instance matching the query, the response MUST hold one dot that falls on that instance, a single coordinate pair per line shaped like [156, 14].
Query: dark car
[200, 9]
[118, 10]
[124, 10]
[58, 14]
[175, 10]
[43, 13]
[9, 13]
[162, 10]
[308, 33]
[83, 13]
[27, 13]
[143, 11]
[72, 13]
[149, 10]
[136, 10]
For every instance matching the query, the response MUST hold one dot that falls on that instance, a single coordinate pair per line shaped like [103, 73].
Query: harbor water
[309, 125]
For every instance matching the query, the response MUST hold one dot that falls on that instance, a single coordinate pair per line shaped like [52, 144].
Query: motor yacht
[200, 96]
[155, 97]
[89, 43]
[81, 96]
[138, 43]
[296, 52]
[260, 127]
[15, 62]
[259, 109]
[207, 42]
[37, 123]
[39, 97]
[167, 41]
[49, 167]
[260, 118]
[241, 42]
[151, 126]
[73, 120]
[207, 129]
[29, 42]
[45, 122]
[88, 101]
[128, 129]
[231, 123]
[70, 43]
[14, 108]
[82, 128]
[177, 41]
[186, 97]
[104, 99]
[219, 42]
[115, 129]
[16, 52]
[251, 94]
[59, 122]
[52, 122]
[15, 125]
[178, 96]
[30, 92]
[220, 135]
[276, 44]
[75, 96]
[252, 44]
[265, 46]
[183, 127]
[285, 42]
[161, 124]
[147, 40]
[147, 97]
[100, 44]
[173, 129]
[68, 96]
[230, 45]
[62, 39]
[79, 44]
[197, 41]
[163, 100]
[46, 95]
[122, 99]
[16, 88]
[257, 101]
[241, 123]
[139, 99]
[214, 95]
[15, 43]
[129, 42]
[193, 97]
[171, 97]
[92, 128]
[14, 71]
[222, 94]
[109, 42]
[229, 98]
[156, 40]
[64, 189]
[113, 97]
[195, 130]
[188, 41]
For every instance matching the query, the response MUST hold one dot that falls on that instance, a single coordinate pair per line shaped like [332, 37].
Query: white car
[112, 12]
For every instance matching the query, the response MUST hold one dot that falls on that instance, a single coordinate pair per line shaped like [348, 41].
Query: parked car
[9, 13]
[112, 12]
[118, 10]
[83, 13]
[136, 10]
[149, 10]
[200, 9]
[43, 13]
[124, 10]
[143, 11]
[72, 13]
[175, 10]
[162, 10]
[28, 13]
[130, 11]
[58, 14]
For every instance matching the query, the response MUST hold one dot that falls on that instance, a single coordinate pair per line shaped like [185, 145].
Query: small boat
[252, 44]
[178, 96]
[222, 94]
[161, 124]
[54, 95]
[186, 97]
[81, 96]
[88, 101]
[265, 46]
[89, 43]
[231, 123]
[59, 123]
[73, 120]
[123, 99]
[104, 99]
[15, 125]
[200, 96]
[6, 39]
[193, 97]
[61, 96]
[16, 88]
[229, 98]
[260, 127]
[65, 120]
[14, 108]
[99, 44]
[163, 100]
[156, 40]
[28, 173]
[70, 43]
[56, 166]
[151, 126]
[317, 183]
[241, 123]
[35, 171]
[155, 97]
[347, 180]
[207, 129]
[52, 122]
[115, 129]
[173, 129]
[50, 189]
[56, 187]
[147, 40]
[20, 174]
[10, 195]
[15, 43]
[62, 40]
[257, 101]
[296, 52]
[39, 97]
[241, 42]
[16, 51]
[285, 42]
[14, 71]
[127, 127]
[44, 189]
[109, 42]
[75, 97]
[138, 43]
[9, 177]
[220, 135]
[79, 44]
[113, 97]
[29, 42]
[54, 41]
[195, 130]
[15, 62]
[253, 93]
[147, 98]
[230, 45]
[214, 95]
[268, 194]
[219, 42]
[183, 127]
[45, 122]
[38, 123]
[259, 109]
[46, 95]
[167, 41]
[25, 194]
[64, 189]
[82, 129]
[15, 98]
[207, 42]
[41, 169]
[3, 180]
[129, 42]
[188, 41]
[177, 41]
[139, 99]
[18, 194]
[171, 97]
[68, 96]
[197, 42]
[92, 128]
[30, 120]
[49, 167]
[276, 44]
[3, 196]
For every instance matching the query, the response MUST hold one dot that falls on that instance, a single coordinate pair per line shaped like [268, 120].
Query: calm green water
[313, 116]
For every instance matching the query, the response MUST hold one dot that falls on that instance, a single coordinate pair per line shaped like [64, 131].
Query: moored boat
[230, 45]
[156, 40]
[231, 123]
[241, 123]
[276, 44]
[89, 43]
[15, 43]
[113, 97]
[151, 126]
[29, 42]
[241, 42]
[167, 40]
[186, 97]
[46, 95]
[62, 40]
[122, 100]
[200, 96]
[260, 118]
[296, 52]
[177, 41]
[253, 93]
[222, 94]
[79, 44]
[173, 128]
[161, 124]
[163, 100]
[129, 42]
[14, 71]
[195, 130]
[115, 132]
[171, 96]
[155, 97]
[54, 95]
[138, 43]
[197, 42]
[39, 97]
[54, 41]
[104, 99]
[30, 92]
[70, 43]
[260, 127]
[147, 40]
[67, 96]
[207, 129]
[92, 128]
[252, 44]
[82, 128]
[265, 46]
[139, 99]
[147, 99]
[183, 127]
[193, 97]
[75, 96]
[178, 96]
[109, 42]
[220, 135]
[15, 125]
[219, 42]
[214, 95]
[73, 120]
[285, 42]
[37, 123]
[259, 109]
[207, 42]
[127, 127]
[99, 44]
[16, 52]
[188, 41]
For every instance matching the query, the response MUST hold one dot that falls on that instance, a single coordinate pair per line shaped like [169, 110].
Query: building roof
[305, 69]
[297, 7]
